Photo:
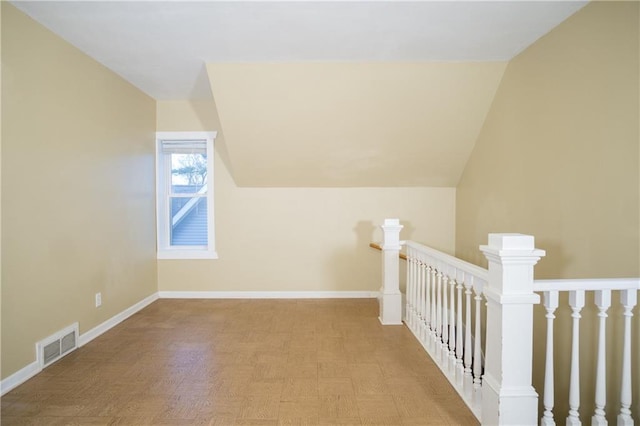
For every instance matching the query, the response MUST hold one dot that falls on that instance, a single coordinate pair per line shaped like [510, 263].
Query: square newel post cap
[392, 223]
[391, 229]
[512, 245]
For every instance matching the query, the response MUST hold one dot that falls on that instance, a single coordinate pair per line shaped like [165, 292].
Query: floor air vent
[57, 345]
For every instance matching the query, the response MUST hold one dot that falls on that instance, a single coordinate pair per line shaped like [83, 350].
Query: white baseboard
[268, 294]
[19, 377]
[24, 374]
[32, 369]
[115, 320]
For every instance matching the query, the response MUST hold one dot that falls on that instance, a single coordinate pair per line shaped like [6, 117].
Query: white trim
[587, 284]
[187, 253]
[19, 377]
[268, 294]
[115, 320]
[24, 374]
[451, 261]
[32, 369]
[185, 136]
[164, 250]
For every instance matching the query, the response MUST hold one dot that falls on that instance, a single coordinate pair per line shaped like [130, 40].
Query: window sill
[187, 254]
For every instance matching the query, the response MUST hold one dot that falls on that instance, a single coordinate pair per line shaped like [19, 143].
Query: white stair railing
[439, 314]
[602, 289]
[444, 309]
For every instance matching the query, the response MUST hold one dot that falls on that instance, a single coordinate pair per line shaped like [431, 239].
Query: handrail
[441, 294]
[587, 284]
[379, 247]
[460, 264]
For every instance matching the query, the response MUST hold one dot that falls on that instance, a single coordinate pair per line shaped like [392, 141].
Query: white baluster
[628, 299]
[444, 342]
[412, 293]
[459, 331]
[550, 304]
[427, 292]
[418, 290]
[452, 321]
[477, 350]
[603, 302]
[416, 295]
[408, 307]
[425, 301]
[576, 301]
[468, 358]
[438, 312]
[434, 305]
[421, 288]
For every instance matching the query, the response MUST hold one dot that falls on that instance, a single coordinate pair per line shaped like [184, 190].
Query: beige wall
[558, 158]
[298, 239]
[558, 154]
[77, 189]
[352, 124]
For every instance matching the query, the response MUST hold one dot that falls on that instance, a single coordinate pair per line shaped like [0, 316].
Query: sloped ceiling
[352, 125]
[161, 46]
[316, 93]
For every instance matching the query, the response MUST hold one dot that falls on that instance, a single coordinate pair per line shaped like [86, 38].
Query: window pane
[188, 173]
[188, 221]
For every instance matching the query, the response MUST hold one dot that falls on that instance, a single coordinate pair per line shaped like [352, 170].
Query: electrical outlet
[98, 299]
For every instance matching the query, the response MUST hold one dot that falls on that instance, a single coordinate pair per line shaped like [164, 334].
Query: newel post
[508, 397]
[390, 297]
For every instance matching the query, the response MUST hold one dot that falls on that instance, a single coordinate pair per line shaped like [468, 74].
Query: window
[184, 186]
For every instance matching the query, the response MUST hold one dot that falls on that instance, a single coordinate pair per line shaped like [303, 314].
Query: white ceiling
[162, 47]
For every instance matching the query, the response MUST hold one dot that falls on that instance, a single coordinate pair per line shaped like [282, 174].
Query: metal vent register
[57, 345]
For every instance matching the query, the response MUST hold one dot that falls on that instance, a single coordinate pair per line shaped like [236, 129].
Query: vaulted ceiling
[382, 93]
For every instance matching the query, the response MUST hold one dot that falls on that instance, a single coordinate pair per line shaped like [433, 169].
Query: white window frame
[163, 192]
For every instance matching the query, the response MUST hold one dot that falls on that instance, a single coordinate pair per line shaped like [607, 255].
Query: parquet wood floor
[243, 362]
